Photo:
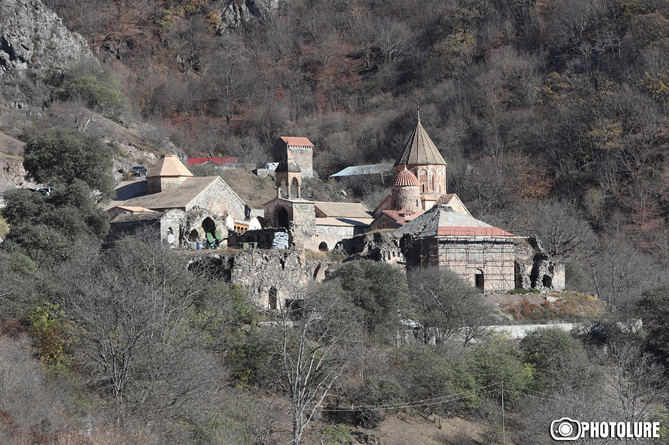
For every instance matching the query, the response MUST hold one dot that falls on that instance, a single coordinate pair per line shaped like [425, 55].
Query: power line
[424, 402]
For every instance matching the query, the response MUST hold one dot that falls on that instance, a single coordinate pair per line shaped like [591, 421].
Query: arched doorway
[281, 218]
[479, 280]
[193, 236]
[209, 226]
[547, 281]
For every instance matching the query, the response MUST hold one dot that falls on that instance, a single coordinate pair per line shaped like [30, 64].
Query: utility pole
[503, 435]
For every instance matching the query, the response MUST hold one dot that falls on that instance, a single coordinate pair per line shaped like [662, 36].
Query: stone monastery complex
[422, 224]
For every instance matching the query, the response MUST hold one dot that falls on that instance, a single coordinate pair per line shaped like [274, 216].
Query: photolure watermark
[570, 429]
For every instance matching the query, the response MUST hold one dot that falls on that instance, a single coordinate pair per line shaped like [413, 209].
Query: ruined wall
[270, 276]
[270, 238]
[331, 235]
[220, 199]
[536, 269]
[377, 246]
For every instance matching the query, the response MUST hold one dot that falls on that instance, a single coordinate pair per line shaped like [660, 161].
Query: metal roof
[343, 209]
[442, 220]
[359, 170]
[420, 150]
[344, 222]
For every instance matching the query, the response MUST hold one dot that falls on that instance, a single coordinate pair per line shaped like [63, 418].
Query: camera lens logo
[565, 429]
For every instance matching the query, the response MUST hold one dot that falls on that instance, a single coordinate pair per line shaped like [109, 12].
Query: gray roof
[343, 209]
[420, 150]
[359, 170]
[177, 197]
[442, 220]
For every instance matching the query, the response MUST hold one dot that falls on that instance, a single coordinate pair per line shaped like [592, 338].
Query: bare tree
[230, 73]
[132, 317]
[393, 39]
[313, 350]
[636, 381]
[447, 305]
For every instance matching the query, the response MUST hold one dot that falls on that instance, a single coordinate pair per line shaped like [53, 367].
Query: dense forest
[552, 116]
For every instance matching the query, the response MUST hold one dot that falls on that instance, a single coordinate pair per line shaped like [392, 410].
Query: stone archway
[323, 246]
[193, 235]
[209, 226]
[294, 189]
[281, 218]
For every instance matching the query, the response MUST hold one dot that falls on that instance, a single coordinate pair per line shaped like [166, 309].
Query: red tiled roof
[471, 231]
[405, 179]
[219, 161]
[402, 216]
[297, 141]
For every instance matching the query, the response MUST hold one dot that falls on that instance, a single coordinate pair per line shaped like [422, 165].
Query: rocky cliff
[34, 45]
[232, 14]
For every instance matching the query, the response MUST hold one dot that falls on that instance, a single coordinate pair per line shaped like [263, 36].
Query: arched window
[422, 178]
[323, 246]
[294, 189]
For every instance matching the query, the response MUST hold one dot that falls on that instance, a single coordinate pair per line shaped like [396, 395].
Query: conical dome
[420, 150]
[405, 179]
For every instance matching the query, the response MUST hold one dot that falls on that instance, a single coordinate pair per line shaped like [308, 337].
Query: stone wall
[303, 157]
[157, 184]
[493, 258]
[303, 225]
[537, 269]
[378, 246]
[220, 199]
[270, 238]
[332, 235]
[271, 276]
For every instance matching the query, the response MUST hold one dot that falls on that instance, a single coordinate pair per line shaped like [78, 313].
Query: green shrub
[96, 87]
[524, 291]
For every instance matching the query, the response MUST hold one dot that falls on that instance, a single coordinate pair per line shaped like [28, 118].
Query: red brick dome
[405, 179]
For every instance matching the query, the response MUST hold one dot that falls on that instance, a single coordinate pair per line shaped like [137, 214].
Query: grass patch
[320, 255]
[572, 306]
[524, 291]
[255, 191]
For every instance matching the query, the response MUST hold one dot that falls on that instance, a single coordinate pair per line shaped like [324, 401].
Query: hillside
[540, 102]
[553, 118]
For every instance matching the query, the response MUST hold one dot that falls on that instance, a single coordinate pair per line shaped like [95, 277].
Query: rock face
[232, 14]
[34, 45]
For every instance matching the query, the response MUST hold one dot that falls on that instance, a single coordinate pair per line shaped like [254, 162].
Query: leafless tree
[636, 381]
[448, 305]
[313, 350]
[230, 73]
[131, 312]
[393, 39]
